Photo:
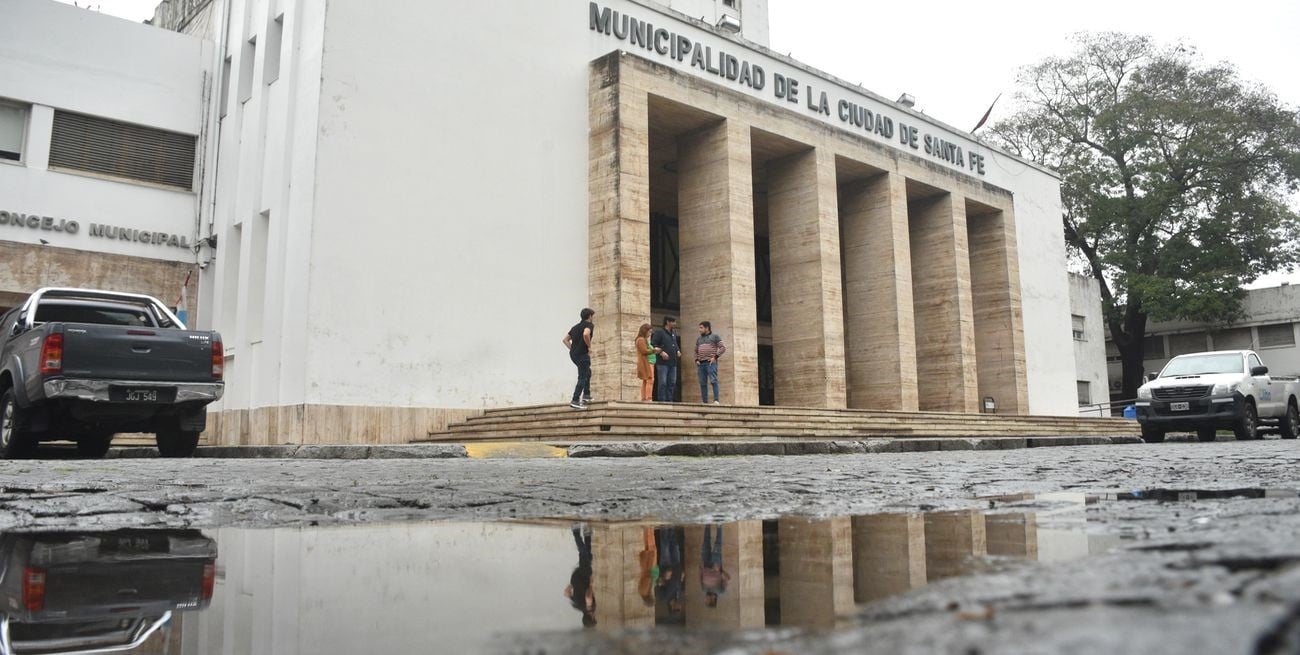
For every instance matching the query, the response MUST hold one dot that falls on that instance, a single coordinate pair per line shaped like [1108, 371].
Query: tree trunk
[1132, 351]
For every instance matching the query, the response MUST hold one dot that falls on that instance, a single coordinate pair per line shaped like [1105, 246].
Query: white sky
[956, 56]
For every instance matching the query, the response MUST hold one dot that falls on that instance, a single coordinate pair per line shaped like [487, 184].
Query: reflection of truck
[82, 365]
[1227, 389]
[99, 592]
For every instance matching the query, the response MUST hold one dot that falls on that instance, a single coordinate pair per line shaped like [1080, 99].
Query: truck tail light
[209, 579]
[218, 360]
[52, 354]
[34, 589]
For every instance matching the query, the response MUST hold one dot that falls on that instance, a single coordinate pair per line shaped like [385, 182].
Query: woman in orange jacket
[645, 361]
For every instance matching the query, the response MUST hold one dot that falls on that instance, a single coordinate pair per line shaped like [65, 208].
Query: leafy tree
[1178, 178]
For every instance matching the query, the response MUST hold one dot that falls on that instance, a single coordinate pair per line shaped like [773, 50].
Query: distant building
[1270, 325]
[1087, 328]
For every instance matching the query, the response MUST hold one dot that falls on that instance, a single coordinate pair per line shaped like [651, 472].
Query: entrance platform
[617, 421]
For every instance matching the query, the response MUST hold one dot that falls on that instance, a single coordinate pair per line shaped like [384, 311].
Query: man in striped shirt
[708, 348]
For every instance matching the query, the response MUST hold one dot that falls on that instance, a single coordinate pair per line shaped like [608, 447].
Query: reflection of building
[851, 250]
[816, 571]
[100, 121]
[888, 555]
[1269, 325]
[742, 556]
[952, 542]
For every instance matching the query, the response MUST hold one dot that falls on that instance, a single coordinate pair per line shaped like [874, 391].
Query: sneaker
[586, 400]
[717, 402]
[577, 406]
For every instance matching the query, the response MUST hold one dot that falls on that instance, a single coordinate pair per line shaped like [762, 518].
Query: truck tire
[1206, 434]
[1152, 434]
[1247, 427]
[94, 445]
[1289, 426]
[13, 443]
[177, 443]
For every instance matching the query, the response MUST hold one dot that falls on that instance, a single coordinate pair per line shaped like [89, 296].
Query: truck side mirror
[1259, 370]
[1151, 377]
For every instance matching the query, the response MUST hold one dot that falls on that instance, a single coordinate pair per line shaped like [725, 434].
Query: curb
[542, 450]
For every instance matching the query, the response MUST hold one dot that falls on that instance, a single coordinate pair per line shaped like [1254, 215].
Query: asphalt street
[1210, 572]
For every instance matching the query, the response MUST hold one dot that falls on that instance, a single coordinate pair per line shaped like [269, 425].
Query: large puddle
[460, 587]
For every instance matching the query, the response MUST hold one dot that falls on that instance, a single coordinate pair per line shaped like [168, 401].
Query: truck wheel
[94, 445]
[1206, 434]
[1152, 434]
[177, 443]
[13, 443]
[1289, 426]
[1247, 427]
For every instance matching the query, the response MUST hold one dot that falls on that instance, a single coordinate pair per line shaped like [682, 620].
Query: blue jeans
[708, 376]
[711, 553]
[665, 382]
[583, 387]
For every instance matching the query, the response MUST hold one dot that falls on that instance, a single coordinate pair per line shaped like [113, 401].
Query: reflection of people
[580, 592]
[649, 560]
[713, 578]
[646, 357]
[671, 572]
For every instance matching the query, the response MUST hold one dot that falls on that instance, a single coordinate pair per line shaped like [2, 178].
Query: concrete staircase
[617, 421]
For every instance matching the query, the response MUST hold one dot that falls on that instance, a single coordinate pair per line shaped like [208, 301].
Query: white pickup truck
[1203, 392]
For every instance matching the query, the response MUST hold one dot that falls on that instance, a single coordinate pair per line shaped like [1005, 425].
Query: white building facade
[101, 121]
[1088, 330]
[402, 191]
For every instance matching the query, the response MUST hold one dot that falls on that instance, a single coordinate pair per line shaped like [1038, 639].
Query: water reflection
[452, 587]
[101, 592]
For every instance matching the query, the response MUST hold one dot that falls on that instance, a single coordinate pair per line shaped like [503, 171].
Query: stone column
[888, 555]
[742, 606]
[941, 296]
[879, 327]
[952, 540]
[999, 320]
[1012, 535]
[807, 301]
[816, 571]
[616, 575]
[715, 207]
[618, 250]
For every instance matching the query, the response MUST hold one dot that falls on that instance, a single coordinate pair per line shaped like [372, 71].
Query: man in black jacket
[666, 366]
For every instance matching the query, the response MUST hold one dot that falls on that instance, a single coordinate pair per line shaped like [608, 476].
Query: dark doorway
[766, 376]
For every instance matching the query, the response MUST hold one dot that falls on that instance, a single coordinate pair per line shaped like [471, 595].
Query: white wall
[754, 24]
[1090, 352]
[435, 236]
[412, 588]
[56, 56]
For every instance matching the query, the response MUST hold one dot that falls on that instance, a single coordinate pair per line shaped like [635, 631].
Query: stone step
[758, 420]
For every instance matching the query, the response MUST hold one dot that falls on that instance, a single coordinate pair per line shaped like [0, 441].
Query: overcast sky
[956, 57]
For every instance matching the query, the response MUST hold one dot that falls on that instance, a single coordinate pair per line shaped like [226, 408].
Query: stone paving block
[957, 444]
[808, 448]
[418, 451]
[920, 445]
[750, 448]
[639, 449]
[847, 447]
[332, 452]
[686, 449]
[246, 452]
[883, 446]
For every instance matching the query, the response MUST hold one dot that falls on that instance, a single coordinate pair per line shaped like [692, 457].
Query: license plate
[1179, 407]
[140, 395]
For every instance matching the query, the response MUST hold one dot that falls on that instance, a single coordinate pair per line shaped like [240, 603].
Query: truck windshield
[1203, 365]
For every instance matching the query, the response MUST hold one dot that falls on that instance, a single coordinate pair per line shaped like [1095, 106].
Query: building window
[107, 147]
[730, 3]
[1078, 328]
[1153, 348]
[1234, 339]
[13, 127]
[271, 58]
[225, 85]
[1112, 352]
[1276, 336]
[1183, 344]
[246, 58]
[1085, 392]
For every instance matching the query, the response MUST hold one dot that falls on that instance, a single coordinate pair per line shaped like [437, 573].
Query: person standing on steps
[708, 348]
[666, 365]
[578, 341]
[646, 356]
[713, 577]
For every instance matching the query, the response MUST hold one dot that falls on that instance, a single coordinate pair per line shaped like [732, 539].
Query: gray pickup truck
[83, 365]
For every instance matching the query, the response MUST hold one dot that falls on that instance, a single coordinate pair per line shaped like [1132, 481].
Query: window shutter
[133, 152]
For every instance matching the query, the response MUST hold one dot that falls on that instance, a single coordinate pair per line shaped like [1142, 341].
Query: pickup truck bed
[82, 365]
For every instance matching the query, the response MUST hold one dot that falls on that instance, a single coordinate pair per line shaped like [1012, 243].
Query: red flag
[986, 115]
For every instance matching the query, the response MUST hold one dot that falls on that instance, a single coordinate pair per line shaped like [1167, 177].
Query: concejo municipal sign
[37, 222]
[818, 97]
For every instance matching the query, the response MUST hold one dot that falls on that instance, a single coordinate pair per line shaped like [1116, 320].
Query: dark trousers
[583, 362]
[665, 383]
[711, 554]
